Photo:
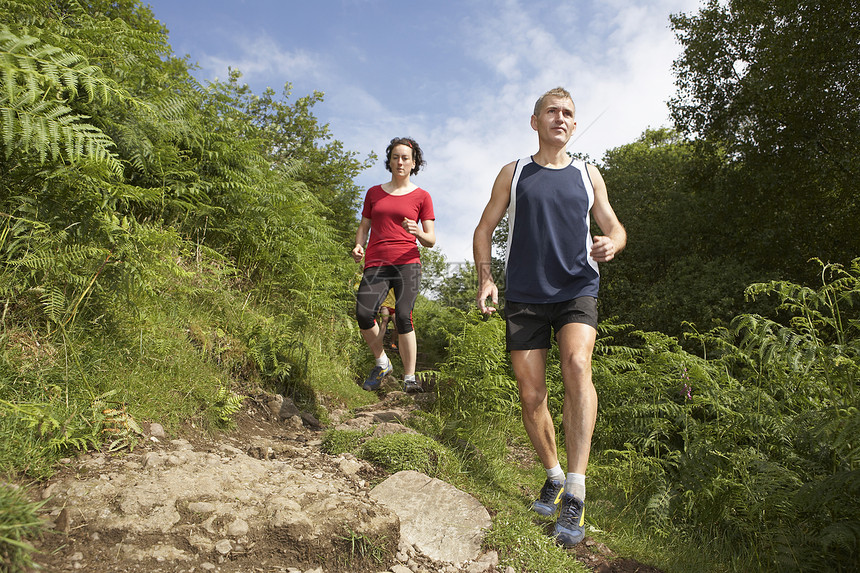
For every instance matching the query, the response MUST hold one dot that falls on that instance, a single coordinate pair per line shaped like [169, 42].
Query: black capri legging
[406, 282]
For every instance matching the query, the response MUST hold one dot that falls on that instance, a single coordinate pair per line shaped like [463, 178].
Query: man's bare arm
[483, 238]
[614, 237]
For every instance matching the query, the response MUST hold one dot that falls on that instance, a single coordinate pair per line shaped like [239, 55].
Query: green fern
[54, 303]
[116, 425]
[37, 83]
[226, 405]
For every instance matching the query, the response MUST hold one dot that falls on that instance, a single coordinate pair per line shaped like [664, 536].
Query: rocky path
[265, 498]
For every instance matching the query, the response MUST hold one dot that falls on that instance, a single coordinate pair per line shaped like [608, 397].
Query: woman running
[391, 216]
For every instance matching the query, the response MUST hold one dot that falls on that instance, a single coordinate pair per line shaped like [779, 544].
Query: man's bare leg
[530, 371]
[576, 343]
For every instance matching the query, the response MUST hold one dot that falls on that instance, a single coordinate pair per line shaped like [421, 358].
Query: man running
[551, 285]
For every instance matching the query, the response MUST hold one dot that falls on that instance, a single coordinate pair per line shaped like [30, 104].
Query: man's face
[555, 123]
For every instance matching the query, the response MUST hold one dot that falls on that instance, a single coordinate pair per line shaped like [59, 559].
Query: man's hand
[358, 253]
[603, 249]
[488, 290]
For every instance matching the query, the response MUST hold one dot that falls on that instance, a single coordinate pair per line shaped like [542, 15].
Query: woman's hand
[425, 232]
[410, 226]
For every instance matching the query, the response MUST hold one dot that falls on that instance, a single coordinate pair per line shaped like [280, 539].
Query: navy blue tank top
[549, 237]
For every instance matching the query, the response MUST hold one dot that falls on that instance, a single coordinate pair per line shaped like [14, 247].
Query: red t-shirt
[390, 243]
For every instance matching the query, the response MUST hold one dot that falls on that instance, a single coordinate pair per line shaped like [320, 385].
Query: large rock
[200, 505]
[265, 498]
[440, 520]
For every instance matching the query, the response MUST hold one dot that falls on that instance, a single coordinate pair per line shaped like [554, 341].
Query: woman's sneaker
[412, 386]
[550, 495]
[570, 526]
[374, 380]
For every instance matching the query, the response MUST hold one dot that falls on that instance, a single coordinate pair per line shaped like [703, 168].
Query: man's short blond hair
[554, 92]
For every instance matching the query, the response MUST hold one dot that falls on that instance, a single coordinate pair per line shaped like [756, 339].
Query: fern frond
[38, 83]
[227, 405]
[54, 303]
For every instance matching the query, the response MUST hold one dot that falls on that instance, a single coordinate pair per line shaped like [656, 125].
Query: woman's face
[401, 160]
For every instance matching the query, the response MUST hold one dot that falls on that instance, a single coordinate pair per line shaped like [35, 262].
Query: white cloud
[472, 115]
[262, 57]
[618, 68]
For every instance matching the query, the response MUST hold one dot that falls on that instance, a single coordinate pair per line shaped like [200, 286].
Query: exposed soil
[253, 423]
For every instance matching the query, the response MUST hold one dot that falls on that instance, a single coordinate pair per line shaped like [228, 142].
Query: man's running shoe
[570, 526]
[374, 380]
[412, 386]
[550, 495]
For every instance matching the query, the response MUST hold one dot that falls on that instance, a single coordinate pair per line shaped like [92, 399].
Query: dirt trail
[206, 530]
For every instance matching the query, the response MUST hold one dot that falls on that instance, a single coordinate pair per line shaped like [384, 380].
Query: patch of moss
[398, 452]
[337, 442]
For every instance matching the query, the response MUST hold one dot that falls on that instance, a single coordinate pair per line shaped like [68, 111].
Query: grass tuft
[19, 521]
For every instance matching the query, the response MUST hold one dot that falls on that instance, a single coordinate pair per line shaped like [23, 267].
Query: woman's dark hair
[417, 156]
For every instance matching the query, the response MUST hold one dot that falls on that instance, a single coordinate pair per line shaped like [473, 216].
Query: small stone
[490, 557]
[349, 467]
[156, 430]
[274, 405]
[311, 420]
[224, 547]
[288, 410]
[63, 521]
[238, 528]
[201, 507]
[479, 567]
[604, 550]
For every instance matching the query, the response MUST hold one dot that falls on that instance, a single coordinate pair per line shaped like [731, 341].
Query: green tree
[459, 288]
[775, 87]
[434, 266]
[673, 269]
[293, 137]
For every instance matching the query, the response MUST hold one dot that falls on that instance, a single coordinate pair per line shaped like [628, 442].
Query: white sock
[575, 485]
[409, 377]
[556, 473]
[382, 360]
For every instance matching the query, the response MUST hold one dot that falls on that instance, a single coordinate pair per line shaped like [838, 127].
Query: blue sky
[460, 76]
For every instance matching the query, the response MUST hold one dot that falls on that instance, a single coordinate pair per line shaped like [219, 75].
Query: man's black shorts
[530, 325]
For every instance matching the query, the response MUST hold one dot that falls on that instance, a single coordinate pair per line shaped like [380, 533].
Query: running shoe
[412, 386]
[550, 495]
[374, 380]
[570, 526]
